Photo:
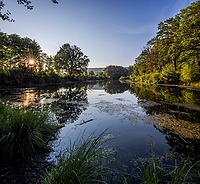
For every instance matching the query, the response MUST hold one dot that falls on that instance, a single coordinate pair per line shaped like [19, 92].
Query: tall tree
[71, 61]
[175, 50]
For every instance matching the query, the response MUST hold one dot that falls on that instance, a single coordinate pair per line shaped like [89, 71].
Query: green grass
[153, 173]
[23, 133]
[150, 174]
[83, 163]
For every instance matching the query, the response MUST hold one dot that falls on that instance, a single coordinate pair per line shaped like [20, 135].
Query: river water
[138, 119]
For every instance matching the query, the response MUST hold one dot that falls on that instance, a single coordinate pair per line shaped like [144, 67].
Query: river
[139, 119]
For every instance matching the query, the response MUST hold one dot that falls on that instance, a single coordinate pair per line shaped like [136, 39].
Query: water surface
[139, 119]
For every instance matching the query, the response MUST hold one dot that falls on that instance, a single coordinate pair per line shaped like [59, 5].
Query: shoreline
[167, 85]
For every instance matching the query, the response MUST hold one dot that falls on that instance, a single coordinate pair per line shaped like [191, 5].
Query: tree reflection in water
[114, 87]
[176, 114]
[69, 103]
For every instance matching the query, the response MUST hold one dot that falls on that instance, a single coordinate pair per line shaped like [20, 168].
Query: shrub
[189, 72]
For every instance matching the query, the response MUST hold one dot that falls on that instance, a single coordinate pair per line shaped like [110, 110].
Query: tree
[175, 50]
[115, 72]
[21, 59]
[71, 61]
[26, 3]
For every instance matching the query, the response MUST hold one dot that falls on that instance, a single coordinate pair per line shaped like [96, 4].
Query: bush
[189, 72]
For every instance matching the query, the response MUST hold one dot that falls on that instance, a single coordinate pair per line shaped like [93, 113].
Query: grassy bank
[84, 162]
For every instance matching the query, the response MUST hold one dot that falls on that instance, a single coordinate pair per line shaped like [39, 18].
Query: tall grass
[150, 174]
[178, 174]
[23, 133]
[83, 163]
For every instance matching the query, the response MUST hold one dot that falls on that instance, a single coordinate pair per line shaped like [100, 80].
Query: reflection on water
[114, 87]
[167, 116]
[176, 114]
[28, 97]
[181, 103]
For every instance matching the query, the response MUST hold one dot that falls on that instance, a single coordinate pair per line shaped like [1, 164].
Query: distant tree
[115, 72]
[71, 61]
[26, 3]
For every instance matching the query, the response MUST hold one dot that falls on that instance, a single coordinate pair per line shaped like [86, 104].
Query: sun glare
[31, 61]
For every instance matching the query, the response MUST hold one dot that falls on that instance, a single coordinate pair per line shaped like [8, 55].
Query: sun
[31, 61]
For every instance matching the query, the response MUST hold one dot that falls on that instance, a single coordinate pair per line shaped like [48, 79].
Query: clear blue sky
[107, 31]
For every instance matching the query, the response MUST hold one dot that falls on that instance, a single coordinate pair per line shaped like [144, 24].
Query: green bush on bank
[24, 133]
[167, 76]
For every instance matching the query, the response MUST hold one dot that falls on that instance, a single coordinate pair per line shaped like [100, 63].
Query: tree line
[173, 55]
[22, 61]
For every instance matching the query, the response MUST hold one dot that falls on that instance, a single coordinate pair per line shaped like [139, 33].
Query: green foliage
[190, 72]
[150, 174]
[169, 75]
[176, 44]
[83, 163]
[23, 133]
[115, 72]
[180, 173]
[101, 75]
[71, 61]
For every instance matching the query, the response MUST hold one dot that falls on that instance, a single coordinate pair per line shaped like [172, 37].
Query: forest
[173, 55]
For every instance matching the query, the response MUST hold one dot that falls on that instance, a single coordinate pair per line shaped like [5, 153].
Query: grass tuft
[83, 163]
[23, 133]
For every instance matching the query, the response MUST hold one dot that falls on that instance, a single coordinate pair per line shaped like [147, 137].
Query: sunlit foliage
[71, 61]
[174, 52]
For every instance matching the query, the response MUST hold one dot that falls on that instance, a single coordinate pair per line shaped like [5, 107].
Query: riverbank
[192, 87]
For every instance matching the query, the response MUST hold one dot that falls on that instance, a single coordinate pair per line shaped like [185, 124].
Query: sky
[109, 32]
